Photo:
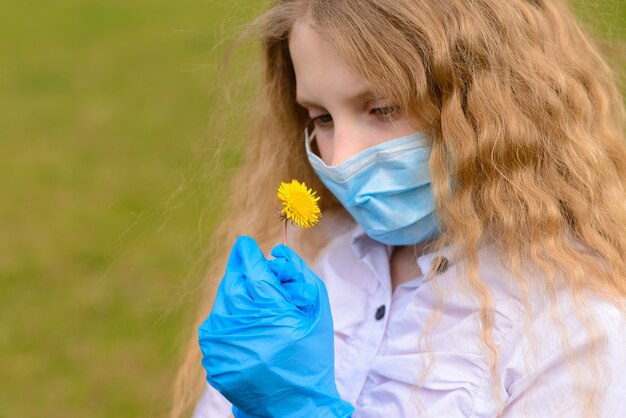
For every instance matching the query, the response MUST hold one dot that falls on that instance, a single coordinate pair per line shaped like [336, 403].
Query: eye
[322, 121]
[386, 112]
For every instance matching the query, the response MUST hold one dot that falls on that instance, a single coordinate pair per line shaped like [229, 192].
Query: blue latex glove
[268, 342]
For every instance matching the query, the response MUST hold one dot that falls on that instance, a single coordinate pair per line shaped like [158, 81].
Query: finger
[245, 256]
[284, 270]
[296, 278]
[288, 266]
[220, 305]
[226, 294]
[232, 295]
[254, 274]
[303, 296]
[283, 251]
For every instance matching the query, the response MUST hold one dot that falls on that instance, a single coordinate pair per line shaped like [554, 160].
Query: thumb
[288, 266]
[290, 257]
[296, 278]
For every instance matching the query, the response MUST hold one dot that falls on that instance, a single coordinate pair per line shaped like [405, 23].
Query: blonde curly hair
[528, 130]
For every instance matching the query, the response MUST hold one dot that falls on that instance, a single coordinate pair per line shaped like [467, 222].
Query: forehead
[322, 74]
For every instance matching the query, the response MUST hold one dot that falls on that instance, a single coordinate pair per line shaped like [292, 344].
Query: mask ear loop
[309, 137]
[308, 141]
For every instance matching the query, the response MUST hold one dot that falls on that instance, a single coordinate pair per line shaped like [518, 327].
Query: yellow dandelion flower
[299, 204]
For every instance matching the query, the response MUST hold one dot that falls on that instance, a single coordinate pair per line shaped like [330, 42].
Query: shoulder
[551, 322]
[557, 304]
[554, 313]
[563, 350]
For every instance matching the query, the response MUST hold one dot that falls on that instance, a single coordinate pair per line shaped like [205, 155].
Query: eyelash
[385, 112]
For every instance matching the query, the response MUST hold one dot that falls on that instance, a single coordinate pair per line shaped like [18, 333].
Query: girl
[471, 162]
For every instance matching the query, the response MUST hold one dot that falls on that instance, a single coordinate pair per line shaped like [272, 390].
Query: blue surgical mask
[386, 188]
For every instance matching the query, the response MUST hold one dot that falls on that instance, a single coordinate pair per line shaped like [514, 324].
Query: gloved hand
[268, 342]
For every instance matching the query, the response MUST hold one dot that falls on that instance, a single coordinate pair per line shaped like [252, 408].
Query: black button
[380, 312]
[439, 265]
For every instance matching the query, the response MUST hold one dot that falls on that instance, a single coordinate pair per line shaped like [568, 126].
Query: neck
[414, 250]
[403, 264]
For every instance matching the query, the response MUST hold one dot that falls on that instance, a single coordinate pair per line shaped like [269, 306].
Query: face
[346, 115]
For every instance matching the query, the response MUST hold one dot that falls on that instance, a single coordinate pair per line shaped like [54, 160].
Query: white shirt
[379, 357]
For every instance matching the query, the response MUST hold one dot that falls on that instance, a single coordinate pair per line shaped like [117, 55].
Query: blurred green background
[111, 181]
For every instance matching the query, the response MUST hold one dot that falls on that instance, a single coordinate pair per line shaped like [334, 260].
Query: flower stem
[285, 232]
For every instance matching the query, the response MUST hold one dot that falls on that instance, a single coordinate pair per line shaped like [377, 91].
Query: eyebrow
[361, 97]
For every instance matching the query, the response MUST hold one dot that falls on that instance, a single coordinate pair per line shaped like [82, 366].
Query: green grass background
[110, 185]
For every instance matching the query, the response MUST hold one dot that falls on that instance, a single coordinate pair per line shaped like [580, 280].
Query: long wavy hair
[528, 142]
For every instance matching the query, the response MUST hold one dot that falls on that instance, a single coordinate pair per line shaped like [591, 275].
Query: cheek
[323, 147]
[393, 130]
